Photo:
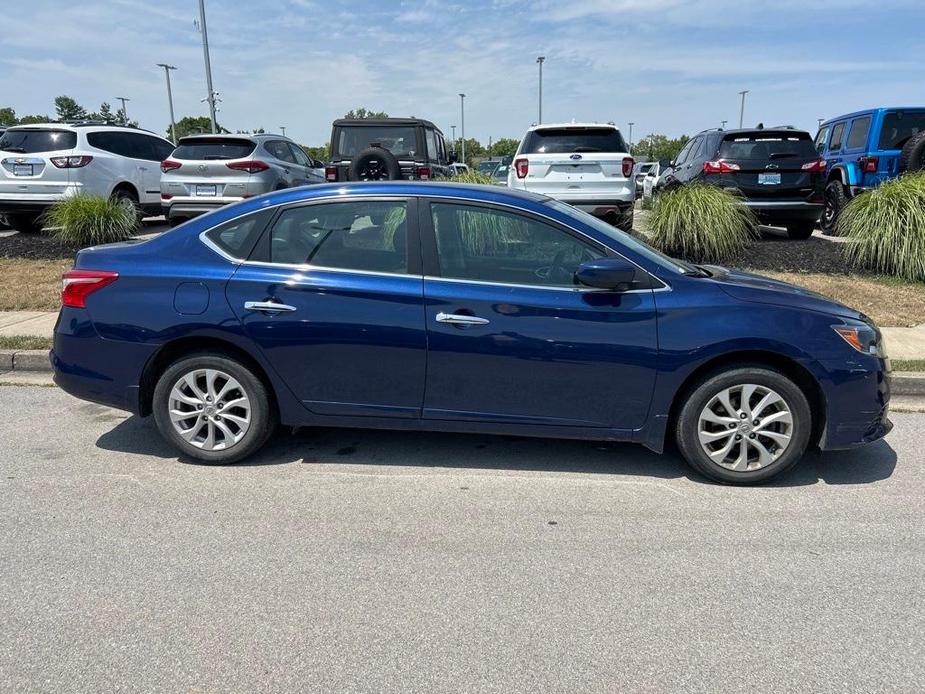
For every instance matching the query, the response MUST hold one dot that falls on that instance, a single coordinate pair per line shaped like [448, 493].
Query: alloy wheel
[209, 409]
[745, 427]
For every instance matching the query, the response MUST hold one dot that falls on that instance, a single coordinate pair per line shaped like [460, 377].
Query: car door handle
[458, 319]
[268, 306]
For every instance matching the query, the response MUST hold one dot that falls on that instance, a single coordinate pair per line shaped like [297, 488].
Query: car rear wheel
[213, 408]
[835, 200]
[26, 223]
[800, 230]
[128, 200]
[744, 426]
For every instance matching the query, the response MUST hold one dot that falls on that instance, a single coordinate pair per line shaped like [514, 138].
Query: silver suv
[205, 172]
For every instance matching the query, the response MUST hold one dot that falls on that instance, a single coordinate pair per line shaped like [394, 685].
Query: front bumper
[857, 397]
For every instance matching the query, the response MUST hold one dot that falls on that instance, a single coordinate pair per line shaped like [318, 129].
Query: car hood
[746, 286]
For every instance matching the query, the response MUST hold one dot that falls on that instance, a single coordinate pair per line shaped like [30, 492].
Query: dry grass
[888, 301]
[31, 285]
[24, 342]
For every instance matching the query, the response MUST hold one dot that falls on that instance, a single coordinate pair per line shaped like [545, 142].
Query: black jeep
[384, 149]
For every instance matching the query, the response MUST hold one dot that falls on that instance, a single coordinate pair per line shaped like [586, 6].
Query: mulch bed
[775, 253]
[36, 247]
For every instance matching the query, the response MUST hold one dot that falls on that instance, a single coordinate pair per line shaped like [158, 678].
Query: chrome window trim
[403, 196]
[663, 288]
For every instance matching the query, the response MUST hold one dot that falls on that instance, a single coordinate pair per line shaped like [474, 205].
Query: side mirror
[617, 274]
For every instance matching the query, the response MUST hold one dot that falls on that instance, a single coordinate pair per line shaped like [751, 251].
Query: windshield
[213, 148]
[566, 140]
[34, 141]
[624, 239]
[398, 139]
[763, 146]
[899, 127]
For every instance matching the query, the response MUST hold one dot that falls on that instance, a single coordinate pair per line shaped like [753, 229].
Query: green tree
[68, 109]
[32, 119]
[655, 147]
[362, 114]
[194, 125]
[8, 116]
[504, 147]
[322, 153]
[104, 114]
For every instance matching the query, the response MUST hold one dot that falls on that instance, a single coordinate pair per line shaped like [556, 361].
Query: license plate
[206, 190]
[22, 169]
[769, 179]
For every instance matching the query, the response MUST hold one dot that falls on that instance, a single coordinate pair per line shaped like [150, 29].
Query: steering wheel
[551, 271]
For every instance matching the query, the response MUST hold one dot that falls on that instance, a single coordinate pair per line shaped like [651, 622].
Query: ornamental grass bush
[700, 223]
[885, 228]
[89, 220]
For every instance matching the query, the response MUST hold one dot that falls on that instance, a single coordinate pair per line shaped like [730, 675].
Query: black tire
[176, 221]
[835, 201]
[127, 197]
[262, 414]
[25, 222]
[697, 398]
[912, 157]
[625, 221]
[800, 230]
[374, 164]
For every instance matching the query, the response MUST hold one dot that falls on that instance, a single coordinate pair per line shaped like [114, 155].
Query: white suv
[44, 164]
[587, 165]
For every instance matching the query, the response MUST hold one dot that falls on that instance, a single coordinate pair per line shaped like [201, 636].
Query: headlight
[864, 338]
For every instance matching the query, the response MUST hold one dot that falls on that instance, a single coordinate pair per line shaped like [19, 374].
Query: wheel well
[794, 371]
[172, 351]
[125, 186]
[837, 175]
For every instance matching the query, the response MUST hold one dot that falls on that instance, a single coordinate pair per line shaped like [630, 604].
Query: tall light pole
[819, 122]
[455, 143]
[722, 124]
[462, 124]
[283, 128]
[540, 60]
[205, 52]
[173, 124]
[123, 99]
[742, 109]
[631, 124]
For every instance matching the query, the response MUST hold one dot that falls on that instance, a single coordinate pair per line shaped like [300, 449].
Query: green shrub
[472, 176]
[700, 223]
[90, 219]
[885, 228]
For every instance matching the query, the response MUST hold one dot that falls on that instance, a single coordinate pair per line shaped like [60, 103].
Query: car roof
[83, 127]
[250, 137]
[559, 126]
[869, 111]
[385, 121]
[751, 131]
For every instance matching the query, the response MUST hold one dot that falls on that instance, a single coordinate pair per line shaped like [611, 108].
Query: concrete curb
[36, 360]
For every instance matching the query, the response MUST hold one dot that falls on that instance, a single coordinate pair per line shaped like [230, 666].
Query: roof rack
[710, 130]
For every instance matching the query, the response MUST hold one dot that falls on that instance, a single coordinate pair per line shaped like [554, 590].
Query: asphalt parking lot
[375, 561]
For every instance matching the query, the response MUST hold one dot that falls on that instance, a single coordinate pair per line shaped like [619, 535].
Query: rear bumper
[785, 210]
[191, 207]
[30, 201]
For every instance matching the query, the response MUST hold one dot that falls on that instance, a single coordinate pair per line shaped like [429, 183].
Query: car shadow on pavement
[486, 452]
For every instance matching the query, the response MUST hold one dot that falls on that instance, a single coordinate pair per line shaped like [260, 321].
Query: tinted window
[398, 139]
[237, 238]
[898, 127]
[837, 132]
[764, 146]
[370, 236]
[682, 155]
[820, 139]
[857, 136]
[213, 148]
[114, 142]
[431, 144]
[279, 149]
[300, 156]
[35, 141]
[478, 243]
[564, 140]
[162, 149]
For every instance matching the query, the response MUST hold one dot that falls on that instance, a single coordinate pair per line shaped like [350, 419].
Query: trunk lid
[770, 164]
[26, 160]
[204, 170]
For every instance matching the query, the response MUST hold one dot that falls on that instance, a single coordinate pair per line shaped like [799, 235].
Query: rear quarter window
[238, 237]
[566, 140]
[36, 141]
[213, 148]
[857, 136]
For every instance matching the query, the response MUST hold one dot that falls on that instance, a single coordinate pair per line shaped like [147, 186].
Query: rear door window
[213, 148]
[838, 133]
[36, 141]
[767, 146]
[857, 136]
[899, 127]
[567, 140]
[280, 150]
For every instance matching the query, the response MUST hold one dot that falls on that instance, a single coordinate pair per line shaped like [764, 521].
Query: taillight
[817, 166]
[719, 166]
[166, 196]
[627, 166]
[330, 173]
[868, 164]
[79, 284]
[424, 173]
[252, 167]
[71, 162]
[521, 167]
[170, 165]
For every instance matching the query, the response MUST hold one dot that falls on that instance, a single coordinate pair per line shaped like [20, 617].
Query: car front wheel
[213, 408]
[744, 426]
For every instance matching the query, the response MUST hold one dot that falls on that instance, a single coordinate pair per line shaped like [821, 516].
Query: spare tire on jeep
[912, 157]
[375, 164]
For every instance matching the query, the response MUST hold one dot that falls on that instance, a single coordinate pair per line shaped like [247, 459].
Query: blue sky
[671, 66]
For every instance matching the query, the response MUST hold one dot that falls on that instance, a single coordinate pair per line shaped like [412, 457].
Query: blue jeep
[865, 148]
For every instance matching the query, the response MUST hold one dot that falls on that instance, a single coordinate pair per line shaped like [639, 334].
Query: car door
[145, 165]
[836, 140]
[290, 173]
[310, 173]
[512, 340]
[333, 296]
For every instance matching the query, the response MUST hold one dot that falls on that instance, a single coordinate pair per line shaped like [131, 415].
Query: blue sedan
[444, 307]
